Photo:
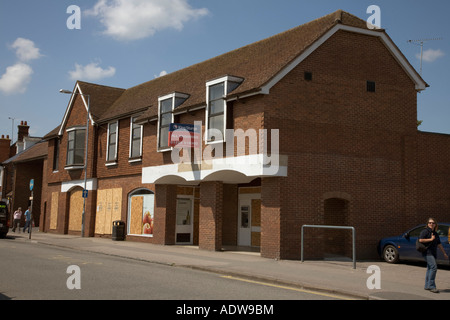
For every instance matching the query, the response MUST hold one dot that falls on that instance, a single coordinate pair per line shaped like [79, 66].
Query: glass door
[184, 221]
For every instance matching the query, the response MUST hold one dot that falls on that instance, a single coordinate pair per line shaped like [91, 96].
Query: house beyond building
[328, 114]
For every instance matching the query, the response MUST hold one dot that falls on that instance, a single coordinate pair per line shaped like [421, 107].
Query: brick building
[337, 99]
[20, 162]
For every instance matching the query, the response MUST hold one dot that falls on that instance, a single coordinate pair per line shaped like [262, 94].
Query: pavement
[328, 278]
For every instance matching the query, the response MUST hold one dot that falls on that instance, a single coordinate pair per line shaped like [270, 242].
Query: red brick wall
[77, 117]
[341, 138]
[123, 166]
[433, 177]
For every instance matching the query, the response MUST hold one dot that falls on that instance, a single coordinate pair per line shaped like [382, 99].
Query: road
[30, 270]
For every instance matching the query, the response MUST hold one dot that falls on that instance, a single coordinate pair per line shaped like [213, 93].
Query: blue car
[394, 249]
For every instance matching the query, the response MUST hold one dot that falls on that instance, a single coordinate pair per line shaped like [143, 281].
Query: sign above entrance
[184, 135]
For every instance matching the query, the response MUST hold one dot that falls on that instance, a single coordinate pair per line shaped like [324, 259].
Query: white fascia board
[249, 166]
[415, 77]
[223, 79]
[91, 184]
[70, 106]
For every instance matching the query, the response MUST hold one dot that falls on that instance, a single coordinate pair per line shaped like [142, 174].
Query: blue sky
[123, 43]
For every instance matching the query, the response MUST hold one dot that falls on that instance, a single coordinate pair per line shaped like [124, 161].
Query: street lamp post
[85, 155]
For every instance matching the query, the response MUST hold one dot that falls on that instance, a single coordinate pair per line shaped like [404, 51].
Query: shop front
[216, 206]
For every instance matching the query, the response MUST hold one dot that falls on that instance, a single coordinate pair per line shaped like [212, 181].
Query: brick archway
[336, 213]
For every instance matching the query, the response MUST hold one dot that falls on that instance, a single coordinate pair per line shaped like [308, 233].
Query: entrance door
[249, 220]
[184, 227]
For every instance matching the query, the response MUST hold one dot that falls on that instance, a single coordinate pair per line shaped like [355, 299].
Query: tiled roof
[35, 152]
[102, 98]
[257, 63]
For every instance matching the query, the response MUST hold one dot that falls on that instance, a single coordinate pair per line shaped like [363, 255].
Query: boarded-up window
[109, 209]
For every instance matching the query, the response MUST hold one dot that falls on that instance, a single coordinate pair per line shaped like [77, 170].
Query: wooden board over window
[75, 209]
[109, 209]
[54, 211]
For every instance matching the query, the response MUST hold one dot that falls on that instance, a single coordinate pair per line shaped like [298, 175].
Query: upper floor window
[56, 155]
[75, 146]
[135, 140]
[112, 141]
[167, 104]
[216, 109]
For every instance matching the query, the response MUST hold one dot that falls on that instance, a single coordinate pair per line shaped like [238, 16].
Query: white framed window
[136, 133]
[216, 107]
[166, 105]
[111, 144]
[76, 139]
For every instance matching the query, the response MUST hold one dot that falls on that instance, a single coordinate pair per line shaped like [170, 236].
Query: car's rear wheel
[390, 254]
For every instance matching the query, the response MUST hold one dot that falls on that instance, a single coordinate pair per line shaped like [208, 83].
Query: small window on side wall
[308, 76]
[371, 86]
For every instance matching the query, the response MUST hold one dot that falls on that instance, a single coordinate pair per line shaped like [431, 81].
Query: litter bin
[118, 231]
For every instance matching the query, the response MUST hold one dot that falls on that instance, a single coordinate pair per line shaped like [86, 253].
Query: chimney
[4, 148]
[23, 130]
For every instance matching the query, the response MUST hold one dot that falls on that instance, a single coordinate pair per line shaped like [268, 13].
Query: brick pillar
[62, 225]
[165, 214]
[211, 214]
[90, 212]
[271, 203]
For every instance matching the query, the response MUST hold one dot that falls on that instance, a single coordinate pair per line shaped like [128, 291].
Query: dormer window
[167, 104]
[216, 109]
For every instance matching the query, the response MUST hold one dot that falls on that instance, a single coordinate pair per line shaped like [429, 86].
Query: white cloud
[138, 19]
[161, 74]
[16, 78]
[431, 55]
[26, 50]
[91, 72]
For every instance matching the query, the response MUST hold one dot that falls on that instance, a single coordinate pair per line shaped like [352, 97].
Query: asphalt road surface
[34, 271]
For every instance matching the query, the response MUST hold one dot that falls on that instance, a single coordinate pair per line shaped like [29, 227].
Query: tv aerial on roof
[420, 42]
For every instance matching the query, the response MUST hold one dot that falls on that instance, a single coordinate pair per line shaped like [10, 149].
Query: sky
[46, 45]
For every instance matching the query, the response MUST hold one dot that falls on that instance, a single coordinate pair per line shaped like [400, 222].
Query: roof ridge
[98, 85]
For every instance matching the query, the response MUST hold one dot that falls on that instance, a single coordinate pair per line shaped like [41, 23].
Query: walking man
[27, 220]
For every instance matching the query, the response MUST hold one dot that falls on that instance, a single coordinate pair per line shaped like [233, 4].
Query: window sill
[165, 149]
[133, 160]
[111, 163]
[214, 141]
[74, 167]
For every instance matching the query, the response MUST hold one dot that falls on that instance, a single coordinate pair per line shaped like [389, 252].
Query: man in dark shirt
[430, 238]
